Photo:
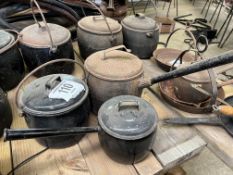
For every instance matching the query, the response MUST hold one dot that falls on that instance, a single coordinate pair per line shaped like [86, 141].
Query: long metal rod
[18, 134]
[222, 59]
[204, 6]
[218, 14]
[208, 8]
[212, 17]
[226, 39]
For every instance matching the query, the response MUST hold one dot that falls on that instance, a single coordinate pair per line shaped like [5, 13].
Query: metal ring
[14, 43]
[199, 41]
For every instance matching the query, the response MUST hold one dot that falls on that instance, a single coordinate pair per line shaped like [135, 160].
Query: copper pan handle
[40, 67]
[186, 30]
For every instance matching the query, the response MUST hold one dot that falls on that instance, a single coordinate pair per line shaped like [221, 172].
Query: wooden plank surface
[173, 145]
[219, 141]
[5, 157]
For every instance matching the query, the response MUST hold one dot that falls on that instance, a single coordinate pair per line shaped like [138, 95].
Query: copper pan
[167, 92]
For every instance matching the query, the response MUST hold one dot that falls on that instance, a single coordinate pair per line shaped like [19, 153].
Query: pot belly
[139, 43]
[11, 68]
[77, 117]
[90, 43]
[35, 57]
[125, 151]
[102, 90]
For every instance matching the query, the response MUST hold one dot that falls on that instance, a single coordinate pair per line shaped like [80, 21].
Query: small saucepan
[126, 129]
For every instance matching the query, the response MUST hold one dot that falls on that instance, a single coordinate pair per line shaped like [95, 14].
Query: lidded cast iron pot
[41, 111]
[11, 61]
[111, 73]
[43, 42]
[97, 33]
[141, 34]
[127, 128]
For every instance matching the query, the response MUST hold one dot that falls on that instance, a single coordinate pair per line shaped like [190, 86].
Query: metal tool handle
[128, 104]
[192, 121]
[40, 67]
[4, 49]
[20, 134]
[53, 48]
[115, 48]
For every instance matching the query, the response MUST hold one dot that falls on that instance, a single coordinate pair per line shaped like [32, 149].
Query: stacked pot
[141, 35]
[97, 33]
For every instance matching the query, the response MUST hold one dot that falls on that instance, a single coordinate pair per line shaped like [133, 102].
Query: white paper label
[66, 90]
[177, 63]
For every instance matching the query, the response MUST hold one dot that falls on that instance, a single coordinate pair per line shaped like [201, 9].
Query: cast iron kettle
[40, 110]
[5, 112]
[11, 61]
[42, 42]
[127, 126]
[141, 35]
[97, 33]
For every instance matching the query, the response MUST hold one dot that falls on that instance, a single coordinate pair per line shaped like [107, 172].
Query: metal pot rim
[130, 138]
[112, 79]
[97, 33]
[139, 30]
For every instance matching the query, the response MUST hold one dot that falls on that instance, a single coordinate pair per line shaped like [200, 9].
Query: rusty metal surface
[167, 92]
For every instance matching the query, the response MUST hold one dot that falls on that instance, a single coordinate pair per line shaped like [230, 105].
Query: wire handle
[53, 48]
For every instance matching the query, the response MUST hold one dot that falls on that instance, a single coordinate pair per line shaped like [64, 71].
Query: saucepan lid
[127, 117]
[52, 95]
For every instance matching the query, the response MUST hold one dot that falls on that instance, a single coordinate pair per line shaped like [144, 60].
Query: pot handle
[115, 48]
[180, 57]
[53, 48]
[14, 43]
[128, 104]
[21, 134]
[104, 18]
[40, 67]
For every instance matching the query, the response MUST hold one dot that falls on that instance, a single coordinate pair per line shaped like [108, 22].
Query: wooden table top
[173, 146]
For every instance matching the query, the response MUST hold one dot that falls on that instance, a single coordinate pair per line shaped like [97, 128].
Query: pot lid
[52, 95]
[127, 117]
[97, 24]
[114, 65]
[5, 39]
[140, 22]
[36, 36]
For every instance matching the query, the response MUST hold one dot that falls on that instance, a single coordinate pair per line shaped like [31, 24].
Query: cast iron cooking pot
[5, 112]
[11, 61]
[141, 34]
[42, 42]
[97, 33]
[127, 126]
[43, 111]
[111, 73]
